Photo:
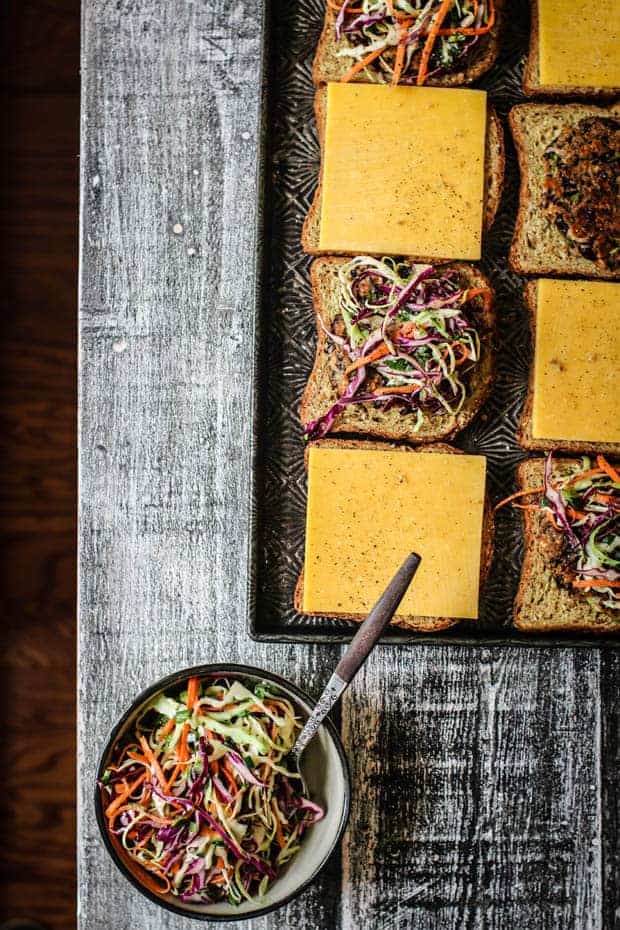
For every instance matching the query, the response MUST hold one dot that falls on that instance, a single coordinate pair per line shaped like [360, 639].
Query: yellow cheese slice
[403, 170]
[579, 44]
[577, 361]
[367, 509]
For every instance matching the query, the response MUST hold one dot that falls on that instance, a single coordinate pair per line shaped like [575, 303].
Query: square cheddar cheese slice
[403, 171]
[579, 46]
[368, 508]
[576, 383]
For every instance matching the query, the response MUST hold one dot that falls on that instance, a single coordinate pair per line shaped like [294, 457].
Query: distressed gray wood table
[485, 785]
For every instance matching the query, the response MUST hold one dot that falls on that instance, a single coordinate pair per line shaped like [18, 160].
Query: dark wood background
[39, 142]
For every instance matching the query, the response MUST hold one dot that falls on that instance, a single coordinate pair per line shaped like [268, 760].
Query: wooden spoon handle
[377, 620]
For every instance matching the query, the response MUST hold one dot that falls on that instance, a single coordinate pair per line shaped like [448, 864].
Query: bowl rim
[161, 685]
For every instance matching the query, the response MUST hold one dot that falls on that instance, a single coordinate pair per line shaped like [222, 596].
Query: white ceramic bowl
[325, 769]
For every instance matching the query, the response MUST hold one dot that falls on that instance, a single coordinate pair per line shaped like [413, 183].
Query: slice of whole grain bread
[538, 247]
[408, 622]
[524, 433]
[329, 66]
[544, 602]
[324, 385]
[495, 161]
[531, 73]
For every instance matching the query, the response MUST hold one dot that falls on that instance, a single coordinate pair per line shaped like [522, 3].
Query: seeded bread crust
[408, 622]
[495, 161]
[524, 433]
[537, 246]
[544, 604]
[531, 74]
[329, 66]
[324, 385]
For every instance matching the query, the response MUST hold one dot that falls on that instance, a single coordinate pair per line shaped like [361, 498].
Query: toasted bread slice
[544, 602]
[419, 624]
[538, 247]
[531, 73]
[524, 433]
[330, 66]
[323, 388]
[494, 178]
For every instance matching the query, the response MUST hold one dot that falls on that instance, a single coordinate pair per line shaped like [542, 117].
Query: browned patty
[580, 188]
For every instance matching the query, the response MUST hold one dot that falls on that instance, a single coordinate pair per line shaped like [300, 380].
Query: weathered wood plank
[477, 773]
[481, 791]
[610, 795]
[170, 124]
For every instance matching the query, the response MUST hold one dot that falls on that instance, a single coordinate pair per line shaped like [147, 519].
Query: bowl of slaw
[197, 800]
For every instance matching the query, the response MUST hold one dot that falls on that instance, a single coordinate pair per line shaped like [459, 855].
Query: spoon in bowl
[357, 652]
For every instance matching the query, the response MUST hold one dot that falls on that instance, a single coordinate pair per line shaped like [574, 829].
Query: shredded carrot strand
[481, 30]
[156, 767]
[175, 774]
[472, 30]
[232, 784]
[397, 16]
[144, 840]
[483, 292]
[400, 59]
[400, 389]
[464, 356]
[380, 352]
[433, 32]
[147, 880]
[279, 833]
[609, 470]
[584, 474]
[334, 5]
[596, 583]
[193, 687]
[465, 31]
[120, 799]
[518, 494]
[362, 63]
[605, 499]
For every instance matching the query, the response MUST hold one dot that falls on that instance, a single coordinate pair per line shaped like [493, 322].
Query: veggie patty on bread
[569, 211]
[570, 578]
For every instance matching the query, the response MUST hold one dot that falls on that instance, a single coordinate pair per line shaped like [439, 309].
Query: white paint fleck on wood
[477, 791]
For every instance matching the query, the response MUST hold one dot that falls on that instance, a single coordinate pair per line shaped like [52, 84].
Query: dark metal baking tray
[285, 345]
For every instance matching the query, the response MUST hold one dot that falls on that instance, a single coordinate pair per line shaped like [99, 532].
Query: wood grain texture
[480, 806]
[39, 121]
[610, 796]
[477, 780]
